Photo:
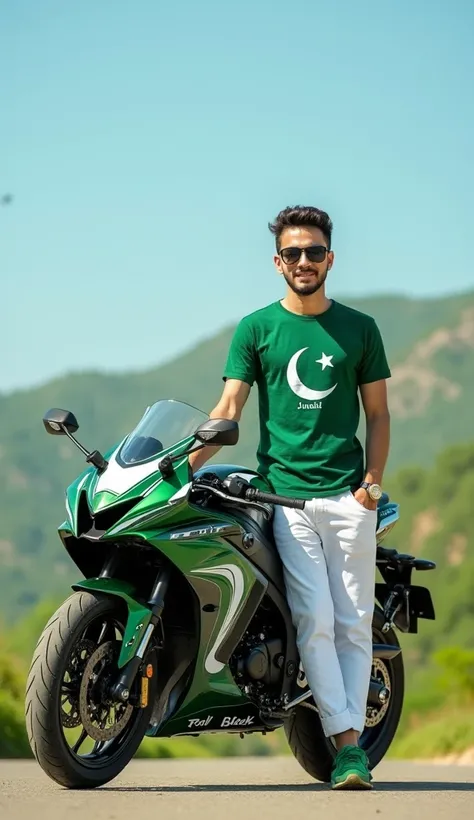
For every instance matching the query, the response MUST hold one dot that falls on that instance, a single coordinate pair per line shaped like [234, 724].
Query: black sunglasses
[315, 253]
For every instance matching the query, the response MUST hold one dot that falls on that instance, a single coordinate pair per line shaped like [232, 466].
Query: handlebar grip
[270, 498]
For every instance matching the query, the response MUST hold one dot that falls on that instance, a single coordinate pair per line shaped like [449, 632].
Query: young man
[311, 357]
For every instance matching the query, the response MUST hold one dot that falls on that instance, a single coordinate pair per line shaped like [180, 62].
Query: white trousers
[328, 553]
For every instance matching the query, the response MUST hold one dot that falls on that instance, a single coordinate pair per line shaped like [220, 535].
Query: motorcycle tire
[44, 694]
[304, 731]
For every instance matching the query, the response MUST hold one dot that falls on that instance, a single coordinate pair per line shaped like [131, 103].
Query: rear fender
[385, 651]
[138, 615]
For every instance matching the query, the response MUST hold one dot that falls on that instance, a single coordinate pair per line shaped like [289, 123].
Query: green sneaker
[351, 769]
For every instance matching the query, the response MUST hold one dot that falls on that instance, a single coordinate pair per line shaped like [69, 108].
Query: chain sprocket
[70, 689]
[95, 708]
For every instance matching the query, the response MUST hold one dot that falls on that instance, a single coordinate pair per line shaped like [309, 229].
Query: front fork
[138, 615]
[120, 690]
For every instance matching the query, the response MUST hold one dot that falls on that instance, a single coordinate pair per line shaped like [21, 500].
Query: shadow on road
[408, 786]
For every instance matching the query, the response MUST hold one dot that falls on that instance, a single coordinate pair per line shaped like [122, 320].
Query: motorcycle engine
[258, 660]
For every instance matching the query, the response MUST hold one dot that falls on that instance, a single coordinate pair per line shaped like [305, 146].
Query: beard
[306, 288]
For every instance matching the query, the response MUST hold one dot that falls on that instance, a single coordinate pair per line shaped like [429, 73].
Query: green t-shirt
[308, 370]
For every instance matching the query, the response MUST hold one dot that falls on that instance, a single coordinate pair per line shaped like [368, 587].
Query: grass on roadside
[448, 732]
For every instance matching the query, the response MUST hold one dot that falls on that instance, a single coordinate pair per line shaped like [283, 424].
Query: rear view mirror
[55, 420]
[218, 432]
[64, 423]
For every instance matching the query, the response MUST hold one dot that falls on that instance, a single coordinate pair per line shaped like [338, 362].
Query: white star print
[325, 361]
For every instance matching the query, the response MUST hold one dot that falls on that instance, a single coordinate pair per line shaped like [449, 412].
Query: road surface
[244, 788]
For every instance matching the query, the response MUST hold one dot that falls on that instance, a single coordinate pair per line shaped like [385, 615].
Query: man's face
[304, 275]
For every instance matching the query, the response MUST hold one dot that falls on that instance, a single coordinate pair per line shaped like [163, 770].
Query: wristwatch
[374, 490]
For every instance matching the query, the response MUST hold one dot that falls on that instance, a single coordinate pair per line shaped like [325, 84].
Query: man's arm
[374, 400]
[230, 406]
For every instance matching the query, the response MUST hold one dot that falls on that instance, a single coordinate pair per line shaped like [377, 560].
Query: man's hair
[301, 216]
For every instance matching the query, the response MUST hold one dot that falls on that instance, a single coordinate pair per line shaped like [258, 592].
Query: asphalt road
[247, 788]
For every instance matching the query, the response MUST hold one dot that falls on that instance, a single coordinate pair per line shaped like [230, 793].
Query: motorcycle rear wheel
[304, 731]
[72, 645]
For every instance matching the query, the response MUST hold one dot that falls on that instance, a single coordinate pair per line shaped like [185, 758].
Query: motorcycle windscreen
[163, 425]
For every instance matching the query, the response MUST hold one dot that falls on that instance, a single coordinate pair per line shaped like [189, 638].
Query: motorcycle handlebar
[252, 494]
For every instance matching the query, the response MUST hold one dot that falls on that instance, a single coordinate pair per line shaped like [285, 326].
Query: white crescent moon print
[297, 385]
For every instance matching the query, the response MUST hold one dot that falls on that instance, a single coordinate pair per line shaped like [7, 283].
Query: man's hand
[364, 499]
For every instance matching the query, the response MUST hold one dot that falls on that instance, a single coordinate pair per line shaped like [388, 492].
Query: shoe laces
[353, 754]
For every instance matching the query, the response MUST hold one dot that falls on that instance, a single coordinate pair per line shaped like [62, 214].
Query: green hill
[429, 344]
[436, 522]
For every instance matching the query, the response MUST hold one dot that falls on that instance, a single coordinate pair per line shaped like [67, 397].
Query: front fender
[138, 615]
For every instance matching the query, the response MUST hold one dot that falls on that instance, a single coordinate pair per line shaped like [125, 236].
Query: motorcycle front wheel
[79, 736]
[304, 731]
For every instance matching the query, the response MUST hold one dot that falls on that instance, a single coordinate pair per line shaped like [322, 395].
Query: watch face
[375, 492]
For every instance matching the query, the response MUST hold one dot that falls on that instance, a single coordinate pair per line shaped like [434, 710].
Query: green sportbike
[181, 625]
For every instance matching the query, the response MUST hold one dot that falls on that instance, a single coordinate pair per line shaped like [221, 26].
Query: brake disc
[75, 668]
[375, 714]
[101, 717]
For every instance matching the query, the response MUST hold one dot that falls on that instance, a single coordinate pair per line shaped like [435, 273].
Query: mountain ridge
[436, 306]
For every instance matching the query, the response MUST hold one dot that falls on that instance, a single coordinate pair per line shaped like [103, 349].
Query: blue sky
[148, 144]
